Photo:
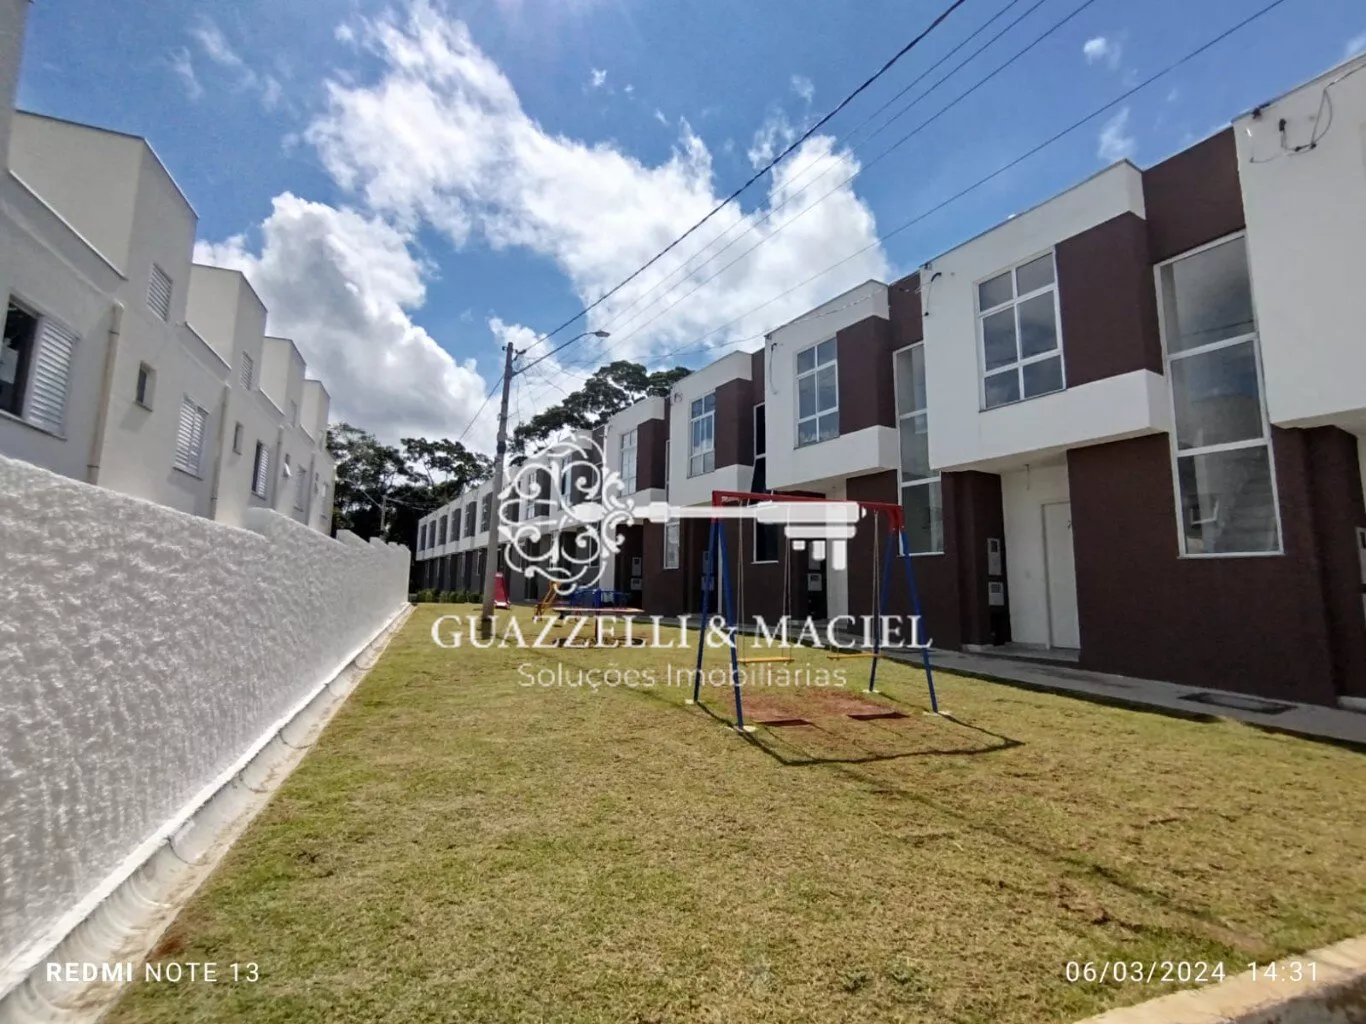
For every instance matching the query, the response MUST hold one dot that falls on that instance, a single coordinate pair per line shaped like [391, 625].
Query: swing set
[716, 570]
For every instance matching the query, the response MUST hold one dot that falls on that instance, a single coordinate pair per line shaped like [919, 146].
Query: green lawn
[462, 847]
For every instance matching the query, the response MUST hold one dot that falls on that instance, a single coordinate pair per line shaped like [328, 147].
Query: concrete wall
[145, 652]
[88, 174]
[1023, 495]
[1306, 220]
[13, 14]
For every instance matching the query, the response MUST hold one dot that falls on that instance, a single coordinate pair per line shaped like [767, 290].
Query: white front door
[1061, 566]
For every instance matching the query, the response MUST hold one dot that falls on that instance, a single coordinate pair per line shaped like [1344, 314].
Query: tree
[609, 390]
[382, 490]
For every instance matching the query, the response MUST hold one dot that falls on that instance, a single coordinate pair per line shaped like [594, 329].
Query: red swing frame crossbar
[894, 513]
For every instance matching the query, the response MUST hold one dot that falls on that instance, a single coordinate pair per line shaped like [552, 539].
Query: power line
[482, 406]
[880, 156]
[939, 19]
[832, 158]
[1009, 165]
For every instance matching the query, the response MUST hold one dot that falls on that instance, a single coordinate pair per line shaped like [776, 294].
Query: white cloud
[1103, 50]
[803, 87]
[439, 138]
[342, 285]
[597, 78]
[216, 47]
[628, 88]
[345, 34]
[659, 116]
[1116, 142]
[436, 138]
[1355, 45]
[183, 66]
[772, 138]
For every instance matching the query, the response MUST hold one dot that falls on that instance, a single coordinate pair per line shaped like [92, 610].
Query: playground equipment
[716, 570]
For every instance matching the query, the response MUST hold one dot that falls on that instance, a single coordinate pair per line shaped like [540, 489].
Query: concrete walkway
[1312, 720]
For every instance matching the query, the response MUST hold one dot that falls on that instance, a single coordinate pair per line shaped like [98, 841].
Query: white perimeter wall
[142, 652]
[1023, 495]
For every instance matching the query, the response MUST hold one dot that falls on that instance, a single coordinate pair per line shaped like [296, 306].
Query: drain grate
[1232, 700]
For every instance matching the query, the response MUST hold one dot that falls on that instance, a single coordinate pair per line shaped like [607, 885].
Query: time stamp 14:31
[1185, 972]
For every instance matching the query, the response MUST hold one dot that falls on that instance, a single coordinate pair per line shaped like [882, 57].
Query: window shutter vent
[159, 293]
[51, 377]
[189, 445]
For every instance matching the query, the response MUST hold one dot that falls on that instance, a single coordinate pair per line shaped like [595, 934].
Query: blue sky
[409, 184]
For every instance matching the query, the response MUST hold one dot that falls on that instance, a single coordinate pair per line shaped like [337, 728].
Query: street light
[491, 550]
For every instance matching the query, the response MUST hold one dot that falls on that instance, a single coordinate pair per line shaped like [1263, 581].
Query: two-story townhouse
[225, 310]
[122, 364]
[635, 445]
[158, 399]
[317, 404]
[282, 380]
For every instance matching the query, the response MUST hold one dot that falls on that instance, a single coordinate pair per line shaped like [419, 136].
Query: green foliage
[611, 388]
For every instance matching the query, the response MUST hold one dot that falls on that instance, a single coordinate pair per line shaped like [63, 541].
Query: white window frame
[193, 464]
[628, 456]
[702, 468]
[937, 479]
[154, 277]
[672, 544]
[1018, 366]
[754, 523]
[146, 381]
[237, 431]
[798, 377]
[668, 468]
[1263, 442]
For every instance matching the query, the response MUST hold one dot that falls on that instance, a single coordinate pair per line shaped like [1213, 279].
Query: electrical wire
[887, 66]
[483, 405]
[1009, 165]
[885, 152]
[687, 267]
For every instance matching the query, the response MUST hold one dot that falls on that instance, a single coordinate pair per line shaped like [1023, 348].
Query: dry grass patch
[461, 846]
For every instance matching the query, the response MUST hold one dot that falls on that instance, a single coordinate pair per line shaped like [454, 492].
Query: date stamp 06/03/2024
[1185, 972]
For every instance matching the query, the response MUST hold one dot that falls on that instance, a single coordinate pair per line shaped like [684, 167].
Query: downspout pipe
[111, 351]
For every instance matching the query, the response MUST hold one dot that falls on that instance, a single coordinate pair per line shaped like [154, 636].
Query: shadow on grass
[760, 741]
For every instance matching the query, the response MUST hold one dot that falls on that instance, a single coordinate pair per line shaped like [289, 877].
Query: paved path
[1302, 719]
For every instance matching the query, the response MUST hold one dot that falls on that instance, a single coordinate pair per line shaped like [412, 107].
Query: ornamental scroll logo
[574, 511]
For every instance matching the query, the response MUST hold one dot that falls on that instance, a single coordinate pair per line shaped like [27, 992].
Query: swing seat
[853, 654]
[764, 661]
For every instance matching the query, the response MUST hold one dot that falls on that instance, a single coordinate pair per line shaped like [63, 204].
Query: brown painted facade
[866, 397]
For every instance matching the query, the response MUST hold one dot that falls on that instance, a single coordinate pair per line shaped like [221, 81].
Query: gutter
[111, 351]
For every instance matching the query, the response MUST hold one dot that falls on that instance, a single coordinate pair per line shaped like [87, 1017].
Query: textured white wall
[142, 651]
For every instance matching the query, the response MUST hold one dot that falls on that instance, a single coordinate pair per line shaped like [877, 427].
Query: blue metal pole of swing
[728, 612]
[881, 608]
[915, 606]
[708, 568]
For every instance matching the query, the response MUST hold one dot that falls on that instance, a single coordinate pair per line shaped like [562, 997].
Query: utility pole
[491, 552]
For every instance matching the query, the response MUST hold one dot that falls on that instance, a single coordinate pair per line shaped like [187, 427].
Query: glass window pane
[806, 432]
[1215, 397]
[910, 380]
[1226, 502]
[998, 339]
[1038, 326]
[806, 396]
[994, 292]
[1003, 388]
[1042, 377]
[696, 409]
[709, 460]
[924, 505]
[806, 360]
[829, 426]
[825, 389]
[825, 352]
[1034, 275]
[1208, 297]
[915, 448]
